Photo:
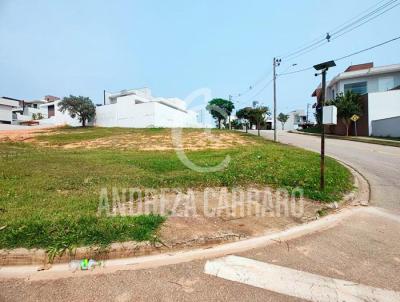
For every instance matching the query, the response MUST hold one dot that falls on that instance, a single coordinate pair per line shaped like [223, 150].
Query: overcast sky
[175, 47]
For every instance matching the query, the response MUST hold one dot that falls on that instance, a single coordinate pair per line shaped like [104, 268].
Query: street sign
[355, 118]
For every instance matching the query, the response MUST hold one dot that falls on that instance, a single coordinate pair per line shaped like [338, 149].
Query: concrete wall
[169, 117]
[5, 113]
[386, 127]
[383, 105]
[59, 118]
[127, 114]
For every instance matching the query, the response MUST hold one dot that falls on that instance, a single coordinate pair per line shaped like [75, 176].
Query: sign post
[323, 67]
[355, 118]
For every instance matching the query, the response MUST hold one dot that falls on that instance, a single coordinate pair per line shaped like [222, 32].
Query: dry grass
[160, 142]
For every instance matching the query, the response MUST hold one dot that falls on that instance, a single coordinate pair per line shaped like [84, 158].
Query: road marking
[294, 283]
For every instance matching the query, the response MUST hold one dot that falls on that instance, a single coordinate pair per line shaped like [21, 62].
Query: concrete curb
[382, 142]
[58, 271]
[359, 197]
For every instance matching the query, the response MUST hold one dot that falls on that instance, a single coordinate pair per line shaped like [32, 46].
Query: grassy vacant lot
[50, 185]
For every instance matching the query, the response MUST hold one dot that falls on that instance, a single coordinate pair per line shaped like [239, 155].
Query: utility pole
[324, 68]
[276, 62]
[308, 105]
[229, 117]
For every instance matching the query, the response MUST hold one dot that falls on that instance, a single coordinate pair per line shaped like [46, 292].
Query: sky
[62, 47]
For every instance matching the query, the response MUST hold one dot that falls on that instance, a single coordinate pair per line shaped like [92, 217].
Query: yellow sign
[355, 118]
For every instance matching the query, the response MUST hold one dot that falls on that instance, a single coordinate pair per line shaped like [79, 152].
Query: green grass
[49, 195]
[311, 130]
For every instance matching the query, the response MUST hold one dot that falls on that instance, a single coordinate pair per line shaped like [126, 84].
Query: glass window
[359, 87]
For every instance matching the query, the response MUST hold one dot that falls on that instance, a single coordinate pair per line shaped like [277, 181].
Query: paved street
[363, 248]
[379, 164]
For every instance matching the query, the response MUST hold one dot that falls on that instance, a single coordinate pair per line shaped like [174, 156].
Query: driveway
[363, 250]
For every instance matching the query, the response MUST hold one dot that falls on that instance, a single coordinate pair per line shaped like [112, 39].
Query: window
[359, 87]
[386, 83]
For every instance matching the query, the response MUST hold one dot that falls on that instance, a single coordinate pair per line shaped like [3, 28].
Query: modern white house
[379, 88]
[137, 108]
[54, 117]
[296, 119]
[6, 109]
[27, 110]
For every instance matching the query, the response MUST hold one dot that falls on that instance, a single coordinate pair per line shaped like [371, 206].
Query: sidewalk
[362, 139]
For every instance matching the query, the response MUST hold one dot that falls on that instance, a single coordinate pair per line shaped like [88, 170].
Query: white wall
[382, 105]
[125, 113]
[386, 127]
[59, 118]
[5, 113]
[168, 117]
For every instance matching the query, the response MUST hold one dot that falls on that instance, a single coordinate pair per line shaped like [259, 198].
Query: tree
[78, 106]
[283, 119]
[244, 114]
[258, 115]
[237, 124]
[220, 109]
[347, 105]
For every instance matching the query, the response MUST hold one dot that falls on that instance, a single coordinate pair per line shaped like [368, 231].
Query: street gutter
[376, 141]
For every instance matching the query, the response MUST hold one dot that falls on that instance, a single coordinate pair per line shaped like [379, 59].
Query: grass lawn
[49, 189]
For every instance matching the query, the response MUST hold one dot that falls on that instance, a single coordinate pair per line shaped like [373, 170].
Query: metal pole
[229, 117]
[355, 127]
[274, 71]
[322, 179]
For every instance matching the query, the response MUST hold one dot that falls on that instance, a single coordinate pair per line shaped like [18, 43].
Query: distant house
[54, 117]
[26, 111]
[137, 108]
[296, 119]
[380, 97]
[50, 98]
[7, 105]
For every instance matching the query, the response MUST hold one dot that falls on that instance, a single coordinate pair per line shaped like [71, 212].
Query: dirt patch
[193, 221]
[160, 142]
[21, 135]
[197, 218]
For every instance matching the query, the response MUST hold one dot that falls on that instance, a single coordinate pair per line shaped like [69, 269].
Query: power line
[350, 26]
[366, 16]
[346, 56]
[374, 17]
[366, 49]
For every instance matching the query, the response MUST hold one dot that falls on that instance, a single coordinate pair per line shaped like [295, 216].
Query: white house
[54, 117]
[364, 78]
[295, 120]
[379, 88]
[27, 110]
[6, 109]
[137, 108]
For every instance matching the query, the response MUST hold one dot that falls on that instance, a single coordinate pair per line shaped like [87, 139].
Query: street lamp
[324, 68]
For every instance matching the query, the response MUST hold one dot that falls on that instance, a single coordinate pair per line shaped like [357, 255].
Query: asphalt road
[379, 164]
[363, 248]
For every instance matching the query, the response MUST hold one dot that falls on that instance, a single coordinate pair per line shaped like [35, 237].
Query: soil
[155, 142]
[197, 218]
